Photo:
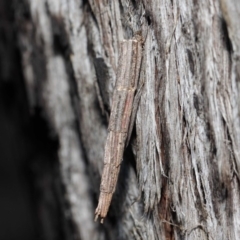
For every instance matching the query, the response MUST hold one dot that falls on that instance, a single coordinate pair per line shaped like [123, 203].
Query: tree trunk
[179, 178]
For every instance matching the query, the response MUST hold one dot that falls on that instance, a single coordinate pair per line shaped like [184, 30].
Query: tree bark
[180, 175]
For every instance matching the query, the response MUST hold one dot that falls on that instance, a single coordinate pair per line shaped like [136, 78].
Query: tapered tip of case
[103, 206]
[96, 218]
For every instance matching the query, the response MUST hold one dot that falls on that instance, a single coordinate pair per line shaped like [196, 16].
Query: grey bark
[180, 175]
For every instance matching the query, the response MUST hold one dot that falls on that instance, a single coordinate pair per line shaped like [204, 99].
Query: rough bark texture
[180, 174]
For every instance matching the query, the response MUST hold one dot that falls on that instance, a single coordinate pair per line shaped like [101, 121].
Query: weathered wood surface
[186, 143]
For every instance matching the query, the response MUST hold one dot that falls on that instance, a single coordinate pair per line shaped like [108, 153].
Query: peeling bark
[180, 175]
